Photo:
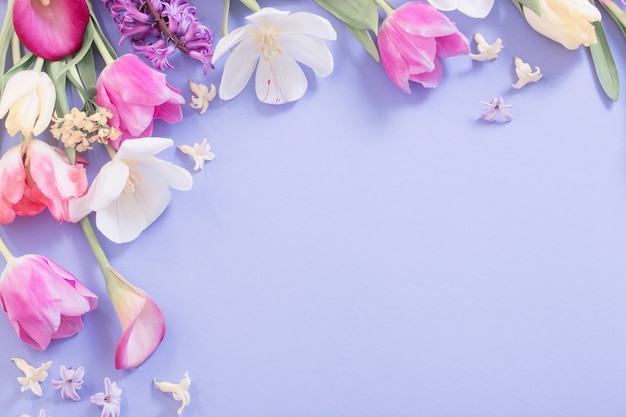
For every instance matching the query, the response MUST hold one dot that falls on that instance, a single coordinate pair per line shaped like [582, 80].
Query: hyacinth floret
[157, 28]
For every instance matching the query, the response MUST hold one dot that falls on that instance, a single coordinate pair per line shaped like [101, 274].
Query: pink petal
[429, 79]
[452, 45]
[11, 172]
[142, 320]
[51, 31]
[422, 19]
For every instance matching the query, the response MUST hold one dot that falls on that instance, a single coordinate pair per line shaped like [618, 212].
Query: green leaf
[617, 14]
[5, 39]
[23, 64]
[358, 14]
[604, 64]
[366, 40]
[534, 5]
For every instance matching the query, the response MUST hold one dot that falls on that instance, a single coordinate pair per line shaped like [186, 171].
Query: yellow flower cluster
[79, 130]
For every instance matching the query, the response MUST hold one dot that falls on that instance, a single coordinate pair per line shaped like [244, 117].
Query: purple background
[364, 252]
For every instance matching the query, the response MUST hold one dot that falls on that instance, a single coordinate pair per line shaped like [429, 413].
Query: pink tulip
[411, 41]
[51, 29]
[143, 323]
[136, 94]
[39, 176]
[42, 300]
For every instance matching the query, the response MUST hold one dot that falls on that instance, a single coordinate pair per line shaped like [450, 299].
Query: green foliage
[604, 64]
[533, 5]
[360, 16]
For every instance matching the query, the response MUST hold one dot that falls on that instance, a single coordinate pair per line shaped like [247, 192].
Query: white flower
[472, 8]
[486, 50]
[200, 152]
[131, 191]
[32, 376]
[180, 391]
[203, 96]
[273, 42]
[525, 74]
[29, 98]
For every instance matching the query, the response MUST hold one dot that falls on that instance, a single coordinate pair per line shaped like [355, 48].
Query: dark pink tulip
[42, 300]
[51, 29]
[137, 94]
[412, 40]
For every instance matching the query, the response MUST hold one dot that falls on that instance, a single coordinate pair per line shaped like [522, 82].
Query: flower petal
[51, 31]
[280, 80]
[142, 321]
[309, 24]
[239, 68]
[310, 51]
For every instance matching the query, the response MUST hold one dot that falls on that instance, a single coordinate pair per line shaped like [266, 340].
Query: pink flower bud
[42, 300]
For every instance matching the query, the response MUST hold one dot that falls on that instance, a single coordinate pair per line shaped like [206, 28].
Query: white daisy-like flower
[273, 43]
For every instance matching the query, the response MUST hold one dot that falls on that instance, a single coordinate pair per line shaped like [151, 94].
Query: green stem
[96, 248]
[16, 48]
[385, 6]
[38, 64]
[5, 40]
[252, 5]
[103, 50]
[225, 19]
[4, 250]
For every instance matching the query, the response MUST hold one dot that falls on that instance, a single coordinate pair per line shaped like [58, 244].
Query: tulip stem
[16, 48]
[385, 6]
[4, 250]
[96, 248]
[103, 50]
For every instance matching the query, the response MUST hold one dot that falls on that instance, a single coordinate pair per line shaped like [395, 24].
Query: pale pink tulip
[51, 29]
[42, 300]
[136, 94]
[143, 323]
[40, 176]
[412, 39]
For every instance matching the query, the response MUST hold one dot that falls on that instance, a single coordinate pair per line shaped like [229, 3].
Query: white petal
[446, 4]
[475, 8]
[280, 80]
[227, 42]
[142, 147]
[153, 197]
[238, 69]
[122, 221]
[309, 24]
[173, 175]
[19, 85]
[267, 17]
[47, 97]
[108, 185]
[310, 51]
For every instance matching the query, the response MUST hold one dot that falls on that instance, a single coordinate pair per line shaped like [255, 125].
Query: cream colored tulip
[28, 99]
[568, 22]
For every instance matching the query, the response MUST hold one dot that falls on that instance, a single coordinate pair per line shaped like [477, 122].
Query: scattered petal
[71, 380]
[200, 152]
[42, 413]
[525, 74]
[486, 50]
[109, 400]
[180, 391]
[32, 376]
[496, 109]
[203, 96]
